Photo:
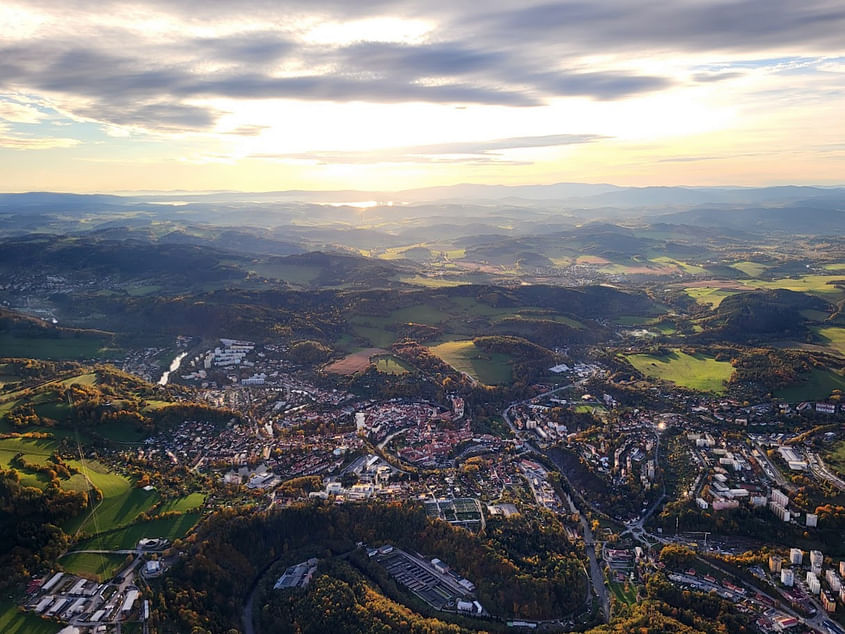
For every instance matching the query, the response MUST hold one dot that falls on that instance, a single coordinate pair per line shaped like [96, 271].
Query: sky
[263, 95]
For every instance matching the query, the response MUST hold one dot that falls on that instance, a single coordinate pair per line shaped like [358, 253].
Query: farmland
[354, 362]
[464, 356]
[709, 295]
[696, 372]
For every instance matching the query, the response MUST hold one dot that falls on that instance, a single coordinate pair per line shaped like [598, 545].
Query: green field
[171, 528]
[429, 282]
[12, 621]
[390, 364]
[818, 385]
[834, 338]
[184, 504]
[628, 597]
[821, 285]
[836, 457]
[696, 372]
[74, 348]
[93, 565]
[464, 356]
[709, 295]
[297, 274]
[121, 503]
[34, 450]
[751, 269]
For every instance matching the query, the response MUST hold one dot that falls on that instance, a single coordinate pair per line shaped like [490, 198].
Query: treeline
[339, 599]
[522, 568]
[30, 536]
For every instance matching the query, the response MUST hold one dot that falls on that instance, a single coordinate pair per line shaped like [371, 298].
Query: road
[596, 574]
[819, 468]
[771, 469]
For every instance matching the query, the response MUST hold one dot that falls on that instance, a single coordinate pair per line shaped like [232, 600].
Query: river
[173, 367]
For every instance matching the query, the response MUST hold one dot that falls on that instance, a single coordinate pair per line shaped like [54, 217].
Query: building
[725, 505]
[833, 580]
[812, 520]
[129, 601]
[787, 577]
[813, 584]
[842, 568]
[796, 556]
[816, 558]
[826, 408]
[702, 503]
[828, 602]
[778, 497]
[779, 511]
[775, 563]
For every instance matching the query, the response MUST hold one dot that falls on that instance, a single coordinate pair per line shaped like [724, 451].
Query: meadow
[821, 285]
[836, 457]
[71, 348]
[751, 269]
[464, 356]
[121, 503]
[697, 372]
[818, 385]
[389, 364]
[174, 527]
[13, 621]
[834, 338]
[709, 295]
[97, 566]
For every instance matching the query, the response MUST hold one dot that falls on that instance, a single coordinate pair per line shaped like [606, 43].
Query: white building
[796, 556]
[816, 558]
[787, 577]
[778, 497]
[812, 520]
[813, 583]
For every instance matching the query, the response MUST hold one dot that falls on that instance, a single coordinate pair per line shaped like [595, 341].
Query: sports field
[464, 356]
[697, 372]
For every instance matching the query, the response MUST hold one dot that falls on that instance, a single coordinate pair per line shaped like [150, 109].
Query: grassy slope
[121, 503]
[818, 385]
[695, 372]
[93, 565]
[171, 528]
[14, 622]
[82, 347]
[464, 356]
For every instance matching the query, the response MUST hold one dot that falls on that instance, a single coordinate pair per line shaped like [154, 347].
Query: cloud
[16, 112]
[466, 152]
[34, 143]
[99, 61]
